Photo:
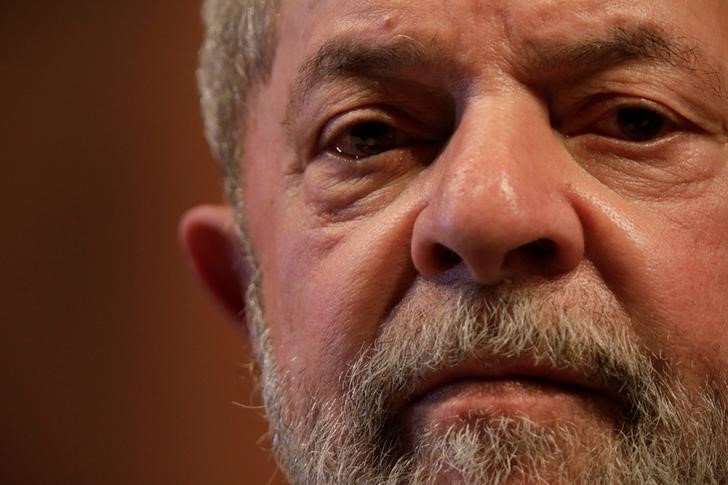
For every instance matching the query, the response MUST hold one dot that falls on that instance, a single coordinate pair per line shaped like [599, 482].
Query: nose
[499, 201]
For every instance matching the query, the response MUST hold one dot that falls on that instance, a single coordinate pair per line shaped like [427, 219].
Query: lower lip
[482, 399]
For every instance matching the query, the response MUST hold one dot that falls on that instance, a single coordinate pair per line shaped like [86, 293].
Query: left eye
[368, 138]
[640, 124]
[634, 124]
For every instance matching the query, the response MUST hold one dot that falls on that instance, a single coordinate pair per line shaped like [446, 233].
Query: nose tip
[507, 223]
[491, 254]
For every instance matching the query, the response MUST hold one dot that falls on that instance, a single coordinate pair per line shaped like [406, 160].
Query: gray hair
[236, 57]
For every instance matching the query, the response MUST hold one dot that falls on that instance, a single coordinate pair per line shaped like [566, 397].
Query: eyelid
[598, 108]
[338, 125]
[624, 103]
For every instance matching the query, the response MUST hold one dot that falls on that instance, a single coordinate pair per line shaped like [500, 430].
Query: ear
[209, 237]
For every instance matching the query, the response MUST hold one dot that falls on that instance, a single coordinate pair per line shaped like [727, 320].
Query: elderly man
[475, 241]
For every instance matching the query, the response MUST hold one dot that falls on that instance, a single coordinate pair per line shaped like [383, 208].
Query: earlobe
[209, 237]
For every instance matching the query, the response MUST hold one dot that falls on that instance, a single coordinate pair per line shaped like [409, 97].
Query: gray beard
[667, 434]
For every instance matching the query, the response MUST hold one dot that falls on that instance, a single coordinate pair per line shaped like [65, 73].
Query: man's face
[481, 222]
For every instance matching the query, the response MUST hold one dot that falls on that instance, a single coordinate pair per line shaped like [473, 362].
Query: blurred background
[115, 367]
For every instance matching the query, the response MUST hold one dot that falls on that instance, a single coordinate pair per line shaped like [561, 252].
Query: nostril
[539, 250]
[446, 257]
[537, 257]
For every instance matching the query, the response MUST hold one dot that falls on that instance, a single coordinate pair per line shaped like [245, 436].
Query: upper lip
[524, 369]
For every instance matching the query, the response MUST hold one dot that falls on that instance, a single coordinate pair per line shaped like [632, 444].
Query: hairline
[235, 61]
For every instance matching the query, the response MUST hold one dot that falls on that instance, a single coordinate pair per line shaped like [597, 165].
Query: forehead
[490, 24]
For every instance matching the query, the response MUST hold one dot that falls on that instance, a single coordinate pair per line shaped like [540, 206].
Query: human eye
[631, 121]
[368, 138]
[375, 132]
[367, 150]
[638, 123]
[640, 147]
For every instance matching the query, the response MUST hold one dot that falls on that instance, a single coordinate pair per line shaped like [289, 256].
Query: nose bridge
[498, 205]
[494, 163]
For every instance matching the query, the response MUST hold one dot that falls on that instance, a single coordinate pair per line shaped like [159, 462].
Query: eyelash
[601, 118]
[598, 117]
[406, 132]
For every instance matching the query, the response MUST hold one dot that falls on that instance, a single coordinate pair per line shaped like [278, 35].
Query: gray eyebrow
[644, 42]
[356, 58]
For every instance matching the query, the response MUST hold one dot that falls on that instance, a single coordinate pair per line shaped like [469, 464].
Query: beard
[666, 432]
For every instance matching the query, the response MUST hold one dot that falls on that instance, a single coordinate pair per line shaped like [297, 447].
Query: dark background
[115, 367]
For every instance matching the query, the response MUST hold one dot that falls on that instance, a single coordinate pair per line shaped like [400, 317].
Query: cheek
[666, 262]
[685, 287]
[328, 289]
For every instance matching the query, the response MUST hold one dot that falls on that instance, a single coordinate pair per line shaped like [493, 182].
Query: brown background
[114, 366]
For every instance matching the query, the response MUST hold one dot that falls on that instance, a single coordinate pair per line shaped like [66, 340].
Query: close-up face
[492, 238]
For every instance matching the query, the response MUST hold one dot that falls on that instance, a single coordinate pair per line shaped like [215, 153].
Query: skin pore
[492, 241]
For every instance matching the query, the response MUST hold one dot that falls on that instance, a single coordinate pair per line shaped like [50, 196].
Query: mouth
[517, 389]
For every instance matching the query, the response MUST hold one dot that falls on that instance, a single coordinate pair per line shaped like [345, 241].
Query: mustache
[584, 335]
[669, 435]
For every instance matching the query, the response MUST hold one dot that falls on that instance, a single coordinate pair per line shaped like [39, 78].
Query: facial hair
[668, 433]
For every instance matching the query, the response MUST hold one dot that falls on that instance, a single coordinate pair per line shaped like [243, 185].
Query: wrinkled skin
[507, 159]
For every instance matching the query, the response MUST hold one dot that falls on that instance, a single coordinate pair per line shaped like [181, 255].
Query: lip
[499, 379]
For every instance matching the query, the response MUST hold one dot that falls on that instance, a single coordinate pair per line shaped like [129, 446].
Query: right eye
[368, 138]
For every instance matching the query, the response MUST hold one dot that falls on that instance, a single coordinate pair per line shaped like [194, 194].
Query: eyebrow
[354, 58]
[642, 43]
